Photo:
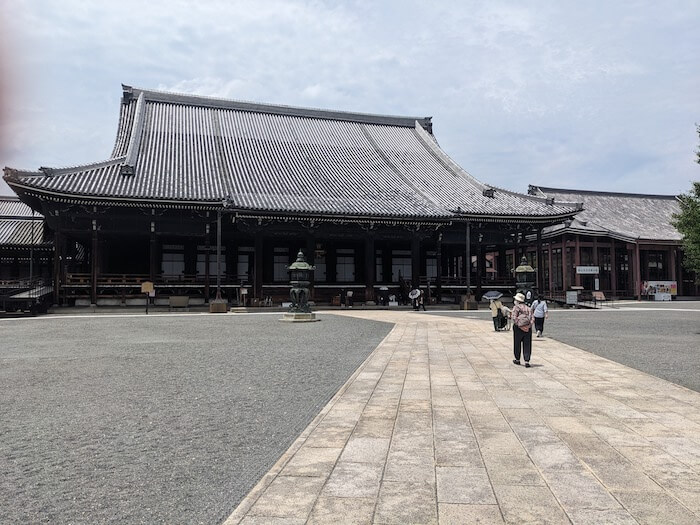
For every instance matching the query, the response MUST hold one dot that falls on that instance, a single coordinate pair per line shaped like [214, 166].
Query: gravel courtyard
[158, 419]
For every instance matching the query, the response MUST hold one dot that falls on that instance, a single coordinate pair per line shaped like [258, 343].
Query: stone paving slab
[438, 426]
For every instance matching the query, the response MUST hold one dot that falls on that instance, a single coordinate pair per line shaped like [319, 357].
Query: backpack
[522, 320]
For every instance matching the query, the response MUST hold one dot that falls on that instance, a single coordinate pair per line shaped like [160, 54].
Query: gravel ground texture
[661, 339]
[159, 419]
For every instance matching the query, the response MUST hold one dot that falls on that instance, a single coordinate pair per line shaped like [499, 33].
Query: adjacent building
[25, 251]
[622, 244]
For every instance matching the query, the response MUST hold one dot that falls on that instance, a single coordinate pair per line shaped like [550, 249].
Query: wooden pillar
[564, 264]
[415, 260]
[672, 263]
[502, 268]
[207, 261]
[369, 268]
[577, 258]
[310, 253]
[57, 260]
[258, 271]
[540, 259]
[551, 270]
[438, 278]
[637, 272]
[153, 251]
[613, 268]
[480, 266]
[94, 261]
[468, 257]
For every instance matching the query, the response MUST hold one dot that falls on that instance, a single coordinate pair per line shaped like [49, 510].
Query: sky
[593, 95]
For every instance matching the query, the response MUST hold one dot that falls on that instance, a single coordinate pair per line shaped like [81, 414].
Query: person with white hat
[522, 336]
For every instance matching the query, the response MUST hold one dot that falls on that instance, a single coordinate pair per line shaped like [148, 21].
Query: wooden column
[595, 259]
[153, 252]
[369, 268]
[468, 257]
[94, 261]
[258, 263]
[637, 272]
[551, 270]
[207, 261]
[480, 267]
[613, 268]
[564, 266]
[310, 253]
[57, 260]
[540, 260]
[438, 278]
[577, 258]
[415, 260]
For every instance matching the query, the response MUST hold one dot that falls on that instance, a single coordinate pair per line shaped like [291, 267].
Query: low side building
[375, 203]
[26, 251]
[624, 242]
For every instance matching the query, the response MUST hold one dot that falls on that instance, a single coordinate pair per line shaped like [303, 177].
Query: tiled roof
[190, 149]
[14, 208]
[15, 232]
[625, 216]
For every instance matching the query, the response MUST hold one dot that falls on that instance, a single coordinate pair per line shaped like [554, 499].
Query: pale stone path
[439, 426]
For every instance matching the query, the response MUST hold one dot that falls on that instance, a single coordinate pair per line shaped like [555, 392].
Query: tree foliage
[687, 222]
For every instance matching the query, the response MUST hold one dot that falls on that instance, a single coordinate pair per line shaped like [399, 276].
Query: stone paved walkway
[439, 426]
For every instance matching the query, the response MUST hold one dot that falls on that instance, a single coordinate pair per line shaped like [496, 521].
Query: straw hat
[519, 298]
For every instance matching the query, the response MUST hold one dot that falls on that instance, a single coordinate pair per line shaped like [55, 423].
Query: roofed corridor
[438, 426]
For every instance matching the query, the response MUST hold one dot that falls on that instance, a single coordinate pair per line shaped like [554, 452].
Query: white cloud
[565, 91]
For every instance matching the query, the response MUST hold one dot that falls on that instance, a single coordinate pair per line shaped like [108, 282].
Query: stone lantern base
[299, 317]
[218, 306]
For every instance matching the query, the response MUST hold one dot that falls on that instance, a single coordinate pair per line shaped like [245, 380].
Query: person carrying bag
[522, 335]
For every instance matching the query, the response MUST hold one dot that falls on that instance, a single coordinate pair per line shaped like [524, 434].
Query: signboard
[656, 287]
[572, 297]
[588, 270]
[662, 296]
[147, 287]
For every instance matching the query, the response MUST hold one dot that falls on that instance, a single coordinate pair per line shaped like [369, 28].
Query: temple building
[373, 201]
[622, 244]
[25, 252]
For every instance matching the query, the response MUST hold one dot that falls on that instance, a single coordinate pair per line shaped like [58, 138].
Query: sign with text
[588, 270]
[659, 287]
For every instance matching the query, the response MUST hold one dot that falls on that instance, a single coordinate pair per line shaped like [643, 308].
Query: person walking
[497, 313]
[540, 313]
[522, 335]
[421, 301]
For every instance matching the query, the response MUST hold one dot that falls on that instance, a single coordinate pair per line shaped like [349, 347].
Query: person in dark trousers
[522, 335]
[496, 314]
[421, 301]
[539, 312]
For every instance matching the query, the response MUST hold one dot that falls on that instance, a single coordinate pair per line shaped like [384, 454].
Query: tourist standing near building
[539, 312]
[497, 313]
[522, 335]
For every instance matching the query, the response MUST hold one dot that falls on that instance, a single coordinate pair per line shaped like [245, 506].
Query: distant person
[496, 313]
[421, 301]
[522, 335]
[539, 312]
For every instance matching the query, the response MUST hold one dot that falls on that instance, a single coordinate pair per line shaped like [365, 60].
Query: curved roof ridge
[432, 146]
[45, 171]
[545, 189]
[577, 205]
[279, 109]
